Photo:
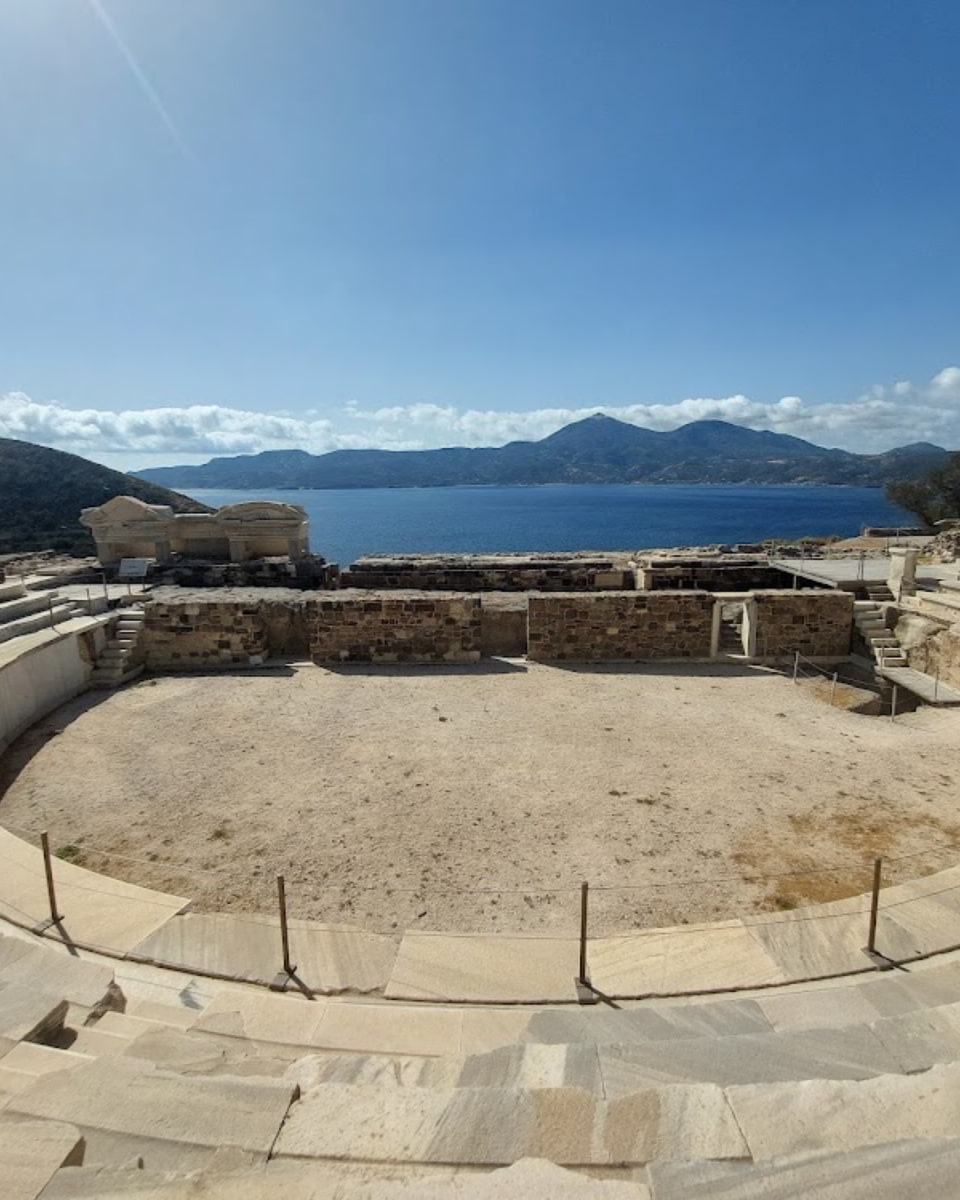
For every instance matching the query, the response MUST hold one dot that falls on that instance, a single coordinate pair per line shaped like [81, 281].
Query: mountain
[597, 449]
[42, 492]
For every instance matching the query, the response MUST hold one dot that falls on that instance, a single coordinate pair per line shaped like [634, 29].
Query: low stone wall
[405, 627]
[195, 635]
[308, 573]
[489, 572]
[729, 573]
[817, 622]
[619, 626]
[234, 628]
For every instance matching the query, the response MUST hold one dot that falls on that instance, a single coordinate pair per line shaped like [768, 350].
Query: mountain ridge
[595, 449]
[42, 492]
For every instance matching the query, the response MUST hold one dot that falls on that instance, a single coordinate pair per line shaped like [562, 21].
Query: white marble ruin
[902, 577]
[125, 527]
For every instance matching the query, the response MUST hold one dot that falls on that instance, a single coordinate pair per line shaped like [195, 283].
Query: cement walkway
[96, 909]
[758, 951]
[929, 689]
[850, 573]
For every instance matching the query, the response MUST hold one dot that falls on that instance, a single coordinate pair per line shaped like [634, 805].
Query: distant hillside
[42, 492]
[598, 449]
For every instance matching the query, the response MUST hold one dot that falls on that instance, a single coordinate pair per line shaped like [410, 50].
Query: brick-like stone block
[818, 623]
[185, 637]
[402, 627]
[619, 626]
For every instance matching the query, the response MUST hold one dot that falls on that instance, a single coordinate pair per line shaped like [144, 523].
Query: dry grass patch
[828, 853]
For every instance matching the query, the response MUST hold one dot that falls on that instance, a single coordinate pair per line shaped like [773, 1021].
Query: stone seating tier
[804, 1088]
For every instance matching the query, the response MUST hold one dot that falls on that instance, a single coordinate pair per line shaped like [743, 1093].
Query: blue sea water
[345, 523]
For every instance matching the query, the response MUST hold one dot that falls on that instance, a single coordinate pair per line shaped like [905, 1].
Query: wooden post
[893, 702]
[288, 967]
[936, 686]
[796, 664]
[874, 905]
[833, 689]
[55, 915]
[582, 976]
[50, 611]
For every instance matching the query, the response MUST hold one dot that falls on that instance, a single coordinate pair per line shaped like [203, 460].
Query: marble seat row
[244, 1087]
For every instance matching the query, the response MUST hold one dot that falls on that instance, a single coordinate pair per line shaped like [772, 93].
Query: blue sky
[229, 225]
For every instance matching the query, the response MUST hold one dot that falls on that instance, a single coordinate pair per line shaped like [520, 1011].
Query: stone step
[176, 1015]
[40, 583]
[87, 987]
[10, 589]
[114, 653]
[497, 1126]
[528, 1179]
[97, 1043]
[841, 1115]
[127, 1108]
[126, 1024]
[29, 1014]
[40, 620]
[921, 1169]
[21, 1065]
[31, 1152]
[854, 1052]
[108, 677]
[24, 606]
[709, 1019]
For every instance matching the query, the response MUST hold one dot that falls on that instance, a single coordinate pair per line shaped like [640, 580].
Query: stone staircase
[849, 1089]
[868, 618]
[115, 665]
[28, 605]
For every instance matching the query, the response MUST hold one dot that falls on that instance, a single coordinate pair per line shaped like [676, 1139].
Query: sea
[350, 522]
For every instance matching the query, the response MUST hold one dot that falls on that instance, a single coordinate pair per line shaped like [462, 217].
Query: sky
[236, 225]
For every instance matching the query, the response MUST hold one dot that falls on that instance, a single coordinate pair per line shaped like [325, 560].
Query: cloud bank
[884, 417]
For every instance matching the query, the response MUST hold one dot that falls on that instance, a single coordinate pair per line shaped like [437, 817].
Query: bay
[346, 523]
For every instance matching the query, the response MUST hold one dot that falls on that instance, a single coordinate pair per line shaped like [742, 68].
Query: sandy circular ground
[477, 799]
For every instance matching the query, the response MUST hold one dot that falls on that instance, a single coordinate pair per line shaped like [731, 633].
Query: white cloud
[881, 418]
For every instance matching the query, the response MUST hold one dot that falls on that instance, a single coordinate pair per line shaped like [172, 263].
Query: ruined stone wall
[198, 635]
[308, 573]
[711, 577]
[488, 573]
[817, 622]
[619, 626]
[404, 627]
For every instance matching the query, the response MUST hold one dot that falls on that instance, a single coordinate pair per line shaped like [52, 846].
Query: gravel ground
[477, 799]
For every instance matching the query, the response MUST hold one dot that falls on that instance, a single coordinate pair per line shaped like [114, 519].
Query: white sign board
[133, 568]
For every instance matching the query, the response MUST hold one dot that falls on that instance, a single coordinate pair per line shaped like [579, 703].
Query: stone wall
[619, 626]
[721, 574]
[236, 627]
[489, 572]
[308, 573]
[200, 635]
[817, 622]
[406, 627]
